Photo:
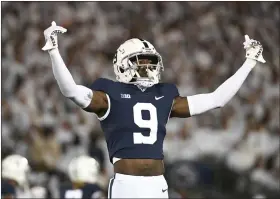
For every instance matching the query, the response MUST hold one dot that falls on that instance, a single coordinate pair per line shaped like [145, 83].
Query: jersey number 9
[152, 123]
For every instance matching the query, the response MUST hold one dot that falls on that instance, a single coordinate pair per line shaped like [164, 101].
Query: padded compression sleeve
[81, 95]
[204, 102]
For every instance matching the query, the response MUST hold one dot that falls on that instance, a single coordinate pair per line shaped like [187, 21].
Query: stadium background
[231, 151]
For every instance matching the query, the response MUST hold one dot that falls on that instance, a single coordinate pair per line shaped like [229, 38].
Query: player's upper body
[14, 175]
[134, 123]
[83, 172]
[135, 109]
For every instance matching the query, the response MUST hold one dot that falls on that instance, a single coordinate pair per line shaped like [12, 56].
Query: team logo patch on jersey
[127, 96]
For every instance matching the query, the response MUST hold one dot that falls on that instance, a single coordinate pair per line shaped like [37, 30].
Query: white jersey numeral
[152, 123]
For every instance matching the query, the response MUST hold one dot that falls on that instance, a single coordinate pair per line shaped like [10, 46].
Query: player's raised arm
[92, 101]
[196, 104]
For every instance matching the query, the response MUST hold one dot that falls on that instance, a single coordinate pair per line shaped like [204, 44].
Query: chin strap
[144, 82]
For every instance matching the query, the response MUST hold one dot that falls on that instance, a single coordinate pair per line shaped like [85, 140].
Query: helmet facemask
[146, 68]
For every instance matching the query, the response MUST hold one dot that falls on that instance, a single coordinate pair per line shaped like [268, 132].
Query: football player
[134, 110]
[14, 176]
[83, 172]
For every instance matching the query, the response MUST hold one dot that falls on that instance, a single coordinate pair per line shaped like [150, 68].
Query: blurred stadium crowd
[233, 150]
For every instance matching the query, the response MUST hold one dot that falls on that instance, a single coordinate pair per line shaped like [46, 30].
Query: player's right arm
[87, 99]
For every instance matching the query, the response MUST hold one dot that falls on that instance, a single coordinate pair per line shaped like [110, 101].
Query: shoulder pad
[169, 89]
[101, 84]
[112, 88]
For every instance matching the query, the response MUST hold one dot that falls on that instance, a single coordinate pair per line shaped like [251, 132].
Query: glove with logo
[253, 49]
[51, 36]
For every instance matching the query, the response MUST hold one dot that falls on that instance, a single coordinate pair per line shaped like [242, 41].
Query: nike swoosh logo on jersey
[157, 98]
[164, 190]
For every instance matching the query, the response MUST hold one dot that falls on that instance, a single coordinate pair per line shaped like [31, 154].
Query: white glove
[51, 36]
[253, 49]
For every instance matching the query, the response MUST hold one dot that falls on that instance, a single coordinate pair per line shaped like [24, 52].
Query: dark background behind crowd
[233, 151]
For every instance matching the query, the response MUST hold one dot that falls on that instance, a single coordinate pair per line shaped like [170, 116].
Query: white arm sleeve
[204, 102]
[81, 95]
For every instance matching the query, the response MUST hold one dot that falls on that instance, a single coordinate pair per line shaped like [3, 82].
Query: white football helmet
[15, 167]
[126, 63]
[83, 169]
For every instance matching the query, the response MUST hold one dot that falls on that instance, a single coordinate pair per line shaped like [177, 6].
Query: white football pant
[127, 186]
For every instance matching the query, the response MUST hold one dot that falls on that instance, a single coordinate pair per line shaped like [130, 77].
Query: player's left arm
[193, 105]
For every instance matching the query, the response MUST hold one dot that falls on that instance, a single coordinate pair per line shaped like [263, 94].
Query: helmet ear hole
[121, 70]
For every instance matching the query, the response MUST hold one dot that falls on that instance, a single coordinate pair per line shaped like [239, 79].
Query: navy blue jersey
[135, 125]
[8, 188]
[86, 192]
